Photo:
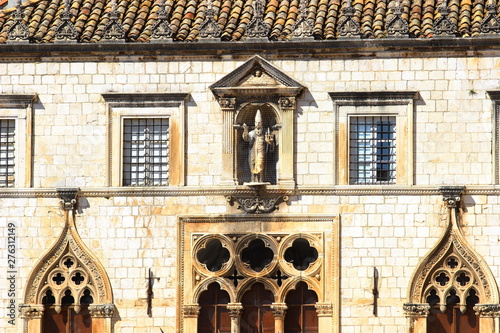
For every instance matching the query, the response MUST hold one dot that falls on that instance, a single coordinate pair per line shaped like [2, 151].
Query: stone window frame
[400, 104]
[321, 231]
[146, 105]
[495, 142]
[20, 108]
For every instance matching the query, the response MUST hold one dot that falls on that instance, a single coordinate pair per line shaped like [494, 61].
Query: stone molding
[416, 310]
[9, 101]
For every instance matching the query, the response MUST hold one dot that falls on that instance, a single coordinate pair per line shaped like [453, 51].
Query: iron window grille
[372, 150]
[146, 152]
[7, 152]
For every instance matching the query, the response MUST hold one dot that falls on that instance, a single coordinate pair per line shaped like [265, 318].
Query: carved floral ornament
[281, 262]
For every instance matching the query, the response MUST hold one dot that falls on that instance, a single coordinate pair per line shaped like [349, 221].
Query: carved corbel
[487, 310]
[259, 203]
[28, 311]
[67, 197]
[102, 311]
[416, 310]
[191, 311]
[451, 195]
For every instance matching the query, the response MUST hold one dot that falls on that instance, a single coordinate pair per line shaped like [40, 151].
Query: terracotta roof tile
[138, 17]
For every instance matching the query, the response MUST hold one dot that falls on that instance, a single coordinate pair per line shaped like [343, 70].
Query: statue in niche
[260, 145]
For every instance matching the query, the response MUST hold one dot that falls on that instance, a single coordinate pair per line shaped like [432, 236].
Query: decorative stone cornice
[31, 311]
[257, 28]
[235, 309]
[491, 22]
[279, 310]
[487, 310]
[65, 31]
[324, 309]
[102, 311]
[303, 27]
[451, 195]
[113, 31]
[67, 197]
[16, 101]
[209, 29]
[18, 31]
[191, 310]
[144, 99]
[443, 26]
[348, 26]
[397, 26]
[416, 310]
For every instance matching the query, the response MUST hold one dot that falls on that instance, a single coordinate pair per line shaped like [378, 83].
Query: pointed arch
[68, 257]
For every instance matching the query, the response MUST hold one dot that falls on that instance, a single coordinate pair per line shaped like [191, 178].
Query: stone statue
[260, 144]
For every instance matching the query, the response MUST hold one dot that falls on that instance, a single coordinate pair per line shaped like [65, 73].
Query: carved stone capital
[279, 310]
[324, 309]
[451, 195]
[190, 310]
[416, 310]
[227, 104]
[487, 310]
[67, 196]
[28, 311]
[102, 311]
[235, 309]
[287, 103]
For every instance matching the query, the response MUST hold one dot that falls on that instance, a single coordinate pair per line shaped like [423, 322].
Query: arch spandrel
[69, 245]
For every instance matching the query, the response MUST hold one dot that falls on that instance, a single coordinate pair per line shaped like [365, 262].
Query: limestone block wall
[453, 145]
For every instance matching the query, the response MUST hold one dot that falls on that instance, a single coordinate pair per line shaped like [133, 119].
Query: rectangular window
[146, 152]
[372, 150]
[7, 151]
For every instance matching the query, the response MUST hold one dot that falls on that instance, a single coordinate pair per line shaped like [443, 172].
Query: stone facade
[129, 230]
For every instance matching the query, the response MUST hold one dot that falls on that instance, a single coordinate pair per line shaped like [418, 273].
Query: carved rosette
[31, 311]
[491, 22]
[227, 104]
[487, 310]
[235, 309]
[324, 309]
[191, 311]
[102, 311]
[451, 195]
[67, 197]
[444, 26]
[279, 310]
[416, 310]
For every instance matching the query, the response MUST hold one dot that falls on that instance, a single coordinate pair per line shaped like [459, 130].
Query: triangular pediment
[256, 74]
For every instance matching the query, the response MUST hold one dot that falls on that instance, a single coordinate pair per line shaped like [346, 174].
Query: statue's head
[258, 123]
